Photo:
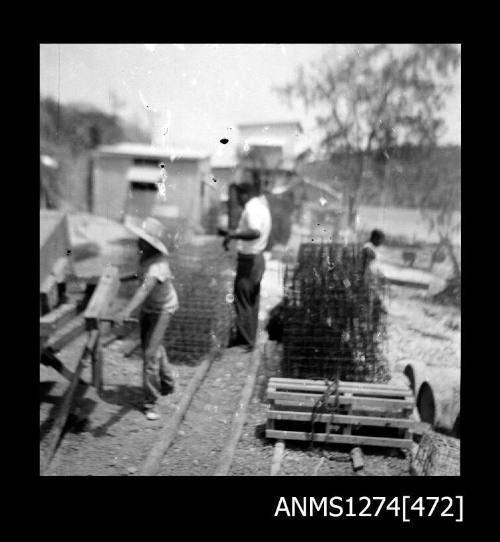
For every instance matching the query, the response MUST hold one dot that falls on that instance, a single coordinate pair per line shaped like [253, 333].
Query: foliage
[374, 100]
[68, 133]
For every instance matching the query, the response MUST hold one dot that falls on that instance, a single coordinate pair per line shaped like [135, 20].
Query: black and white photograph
[250, 259]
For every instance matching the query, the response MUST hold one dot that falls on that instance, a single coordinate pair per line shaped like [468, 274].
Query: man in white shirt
[373, 276]
[252, 235]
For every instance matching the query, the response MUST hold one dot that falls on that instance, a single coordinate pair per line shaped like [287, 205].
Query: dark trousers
[157, 371]
[247, 296]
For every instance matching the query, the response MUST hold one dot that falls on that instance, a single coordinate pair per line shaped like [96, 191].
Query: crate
[341, 412]
[437, 455]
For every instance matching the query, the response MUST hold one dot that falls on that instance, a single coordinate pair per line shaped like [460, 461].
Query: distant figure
[158, 301]
[373, 276]
[370, 252]
[252, 234]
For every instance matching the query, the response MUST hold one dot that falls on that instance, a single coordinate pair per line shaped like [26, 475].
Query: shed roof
[292, 123]
[141, 150]
[265, 141]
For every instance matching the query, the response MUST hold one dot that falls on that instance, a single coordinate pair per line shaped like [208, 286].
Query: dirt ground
[116, 438]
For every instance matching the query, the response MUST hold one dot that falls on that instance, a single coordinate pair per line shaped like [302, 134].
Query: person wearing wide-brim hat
[158, 301]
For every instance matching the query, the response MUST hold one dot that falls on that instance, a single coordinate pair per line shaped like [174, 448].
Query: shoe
[152, 415]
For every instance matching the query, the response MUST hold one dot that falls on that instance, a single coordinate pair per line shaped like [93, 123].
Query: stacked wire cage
[334, 324]
[437, 455]
[204, 281]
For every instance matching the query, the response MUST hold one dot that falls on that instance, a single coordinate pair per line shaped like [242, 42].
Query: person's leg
[243, 301]
[257, 274]
[247, 297]
[156, 345]
[150, 365]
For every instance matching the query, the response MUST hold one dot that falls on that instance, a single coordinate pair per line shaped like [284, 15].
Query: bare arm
[246, 235]
[138, 299]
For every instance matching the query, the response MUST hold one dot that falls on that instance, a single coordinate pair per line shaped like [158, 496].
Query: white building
[129, 180]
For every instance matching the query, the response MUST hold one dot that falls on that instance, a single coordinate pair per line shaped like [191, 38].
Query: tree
[373, 100]
[440, 206]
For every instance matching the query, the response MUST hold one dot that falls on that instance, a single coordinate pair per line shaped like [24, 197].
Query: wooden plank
[322, 381]
[102, 297]
[344, 384]
[320, 386]
[367, 411]
[338, 419]
[279, 452]
[169, 431]
[54, 320]
[227, 454]
[65, 335]
[60, 268]
[309, 399]
[49, 295]
[357, 459]
[98, 366]
[342, 390]
[346, 429]
[108, 340]
[340, 439]
[49, 359]
[131, 348]
[64, 410]
[408, 283]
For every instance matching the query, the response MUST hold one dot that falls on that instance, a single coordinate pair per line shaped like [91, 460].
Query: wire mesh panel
[203, 280]
[437, 455]
[334, 318]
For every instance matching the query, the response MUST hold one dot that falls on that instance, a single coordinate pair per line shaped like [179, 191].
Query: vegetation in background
[68, 133]
[374, 101]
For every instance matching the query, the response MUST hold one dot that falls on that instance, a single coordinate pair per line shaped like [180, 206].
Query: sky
[200, 91]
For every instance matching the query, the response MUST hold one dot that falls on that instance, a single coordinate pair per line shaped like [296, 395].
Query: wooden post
[279, 451]
[103, 296]
[64, 410]
[97, 365]
[99, 304]
[49, 359]
[357, 459]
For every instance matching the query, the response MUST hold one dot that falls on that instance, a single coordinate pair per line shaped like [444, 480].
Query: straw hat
[152, 231]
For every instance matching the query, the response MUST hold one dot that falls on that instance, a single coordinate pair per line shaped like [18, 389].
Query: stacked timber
[341, 412]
